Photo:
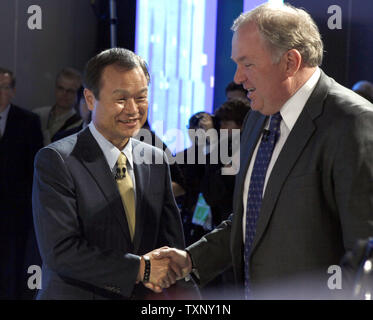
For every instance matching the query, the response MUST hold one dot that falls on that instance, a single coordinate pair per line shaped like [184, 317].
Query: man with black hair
[235, 91]
[365, 89]
[101, 202]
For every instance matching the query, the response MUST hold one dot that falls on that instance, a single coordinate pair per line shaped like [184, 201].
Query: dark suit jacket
[21, 140]
[318, 200]
[81, 225]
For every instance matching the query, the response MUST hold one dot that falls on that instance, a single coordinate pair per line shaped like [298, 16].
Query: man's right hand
[180, 261]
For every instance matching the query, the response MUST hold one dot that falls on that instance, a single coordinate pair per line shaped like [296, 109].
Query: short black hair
[195, 119]
[233, 110]
[7, 71]
[365, 89]
[123, 58]
[234, 87]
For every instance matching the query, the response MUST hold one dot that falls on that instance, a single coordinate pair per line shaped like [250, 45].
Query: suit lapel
[249, 141]
[291, 151]
[142, 172]
[92, 157]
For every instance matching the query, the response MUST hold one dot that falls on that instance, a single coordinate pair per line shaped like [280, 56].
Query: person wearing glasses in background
[62, 115]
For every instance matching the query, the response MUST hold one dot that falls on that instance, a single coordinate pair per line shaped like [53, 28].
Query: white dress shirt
[290, 112]
[3, 119]
[112, 153]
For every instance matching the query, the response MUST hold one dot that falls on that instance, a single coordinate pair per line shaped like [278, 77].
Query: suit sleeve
[353, 179]
[211, 254]
[60, 233]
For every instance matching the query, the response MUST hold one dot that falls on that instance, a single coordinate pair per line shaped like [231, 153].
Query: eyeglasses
[65, 90]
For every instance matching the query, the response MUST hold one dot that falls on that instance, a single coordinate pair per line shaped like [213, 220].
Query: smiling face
[122, 106]
[264, 80]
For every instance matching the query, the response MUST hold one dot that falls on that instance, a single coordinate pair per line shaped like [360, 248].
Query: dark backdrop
[349, 51]
[126, 23]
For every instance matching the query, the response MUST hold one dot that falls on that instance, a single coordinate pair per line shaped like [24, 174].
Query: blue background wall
[224, 67]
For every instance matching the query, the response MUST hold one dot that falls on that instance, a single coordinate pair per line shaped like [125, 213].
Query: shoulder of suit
[347, 102]
[64, 146]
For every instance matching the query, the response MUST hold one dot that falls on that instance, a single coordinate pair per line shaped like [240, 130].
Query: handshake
[166, 266]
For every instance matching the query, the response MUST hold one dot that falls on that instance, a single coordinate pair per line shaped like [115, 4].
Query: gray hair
[123, 58]
[284, 28]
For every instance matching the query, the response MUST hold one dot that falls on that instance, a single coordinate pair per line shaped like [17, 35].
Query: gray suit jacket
[81, 225]
[318, 200]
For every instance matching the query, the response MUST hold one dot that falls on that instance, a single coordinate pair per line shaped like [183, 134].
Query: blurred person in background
[193, 172]
[84, 113]
[20, 139]
[365, 89]
[236, 91]
[62, 115]
[217, 188]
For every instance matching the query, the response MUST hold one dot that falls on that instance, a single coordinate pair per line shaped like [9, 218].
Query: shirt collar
[4, 113]
[110, 151]
[3, 120]
[292, 108]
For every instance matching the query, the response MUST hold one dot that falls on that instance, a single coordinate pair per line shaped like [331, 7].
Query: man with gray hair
[304, 193]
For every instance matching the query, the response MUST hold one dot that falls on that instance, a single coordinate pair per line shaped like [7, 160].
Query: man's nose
[132, 107]
[239, 76]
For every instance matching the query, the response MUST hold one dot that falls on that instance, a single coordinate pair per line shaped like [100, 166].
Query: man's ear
[293, 62]
[90, 99]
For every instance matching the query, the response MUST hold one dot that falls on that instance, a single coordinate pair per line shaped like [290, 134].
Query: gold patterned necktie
[126, 191]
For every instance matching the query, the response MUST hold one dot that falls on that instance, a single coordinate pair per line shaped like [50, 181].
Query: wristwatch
[147, 268]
